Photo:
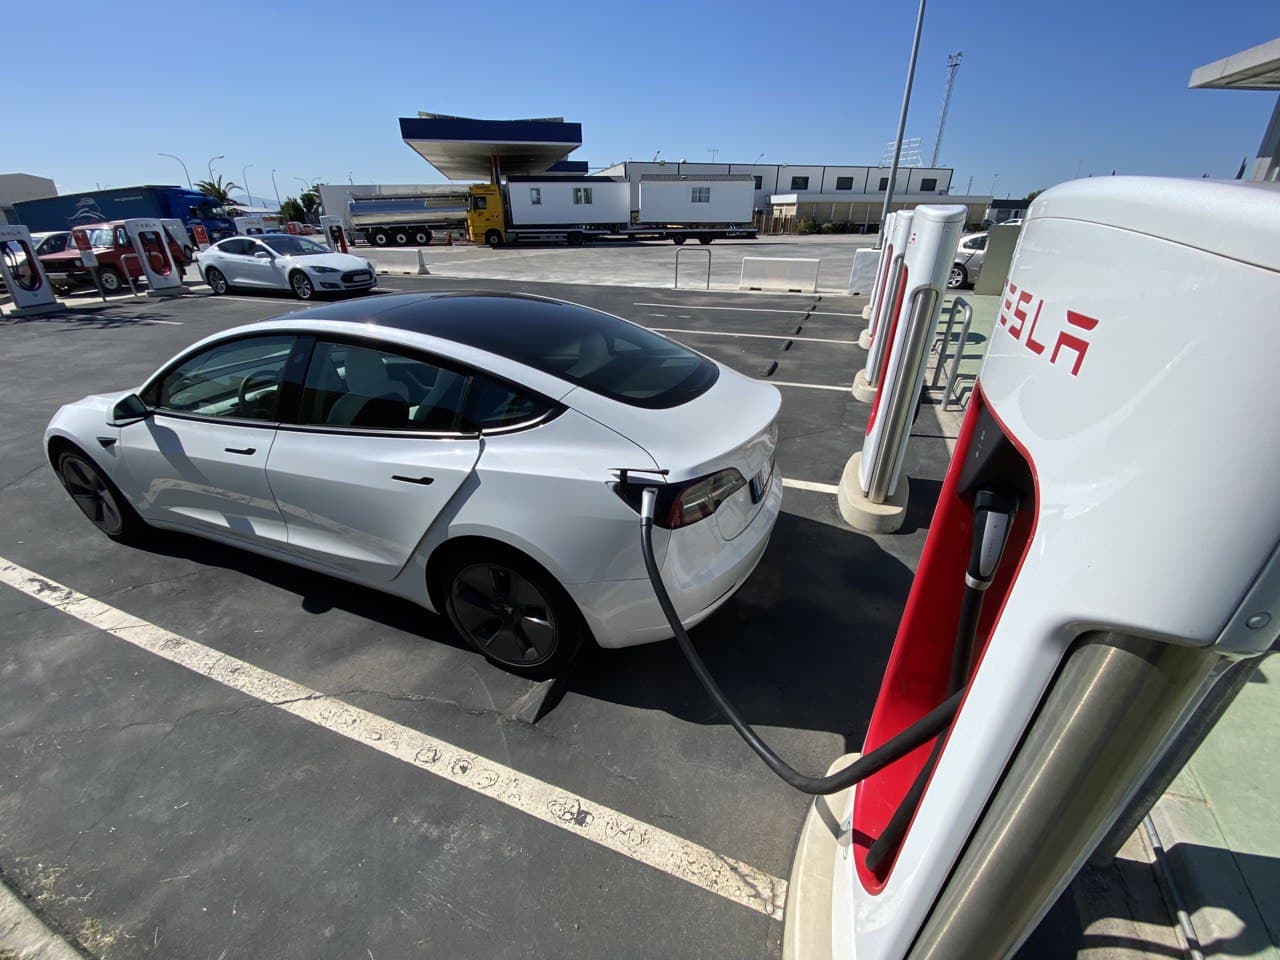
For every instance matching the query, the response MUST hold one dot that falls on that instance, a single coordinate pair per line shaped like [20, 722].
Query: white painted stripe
[694, 306]
[167, 323]
[805, 386]
[810, 485]
[731, 879]
[756, 336]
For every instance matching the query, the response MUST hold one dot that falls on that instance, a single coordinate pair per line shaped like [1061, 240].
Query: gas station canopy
[1257, 68]
[463, 148]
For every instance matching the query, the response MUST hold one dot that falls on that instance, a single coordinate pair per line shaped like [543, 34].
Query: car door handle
[425, 481]
[243, 451]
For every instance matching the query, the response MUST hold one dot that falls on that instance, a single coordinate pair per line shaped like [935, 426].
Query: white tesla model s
[281, 261]
[480, 454]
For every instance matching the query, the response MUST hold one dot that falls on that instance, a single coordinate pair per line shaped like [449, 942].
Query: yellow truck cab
[485, 217]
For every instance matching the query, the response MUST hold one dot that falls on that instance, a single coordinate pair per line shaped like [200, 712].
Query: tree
[1033, 194]
[291, 209]
[219, 189]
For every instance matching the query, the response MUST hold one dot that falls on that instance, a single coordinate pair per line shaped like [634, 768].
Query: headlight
[325, 270]
[370, 266]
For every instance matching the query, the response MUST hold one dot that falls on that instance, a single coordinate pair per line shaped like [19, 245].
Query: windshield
[101, 237]
[288, 246]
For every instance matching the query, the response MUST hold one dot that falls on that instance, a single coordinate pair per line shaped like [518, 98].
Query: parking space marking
[695, 306]
[167, 323]
[757, 336]
[723, 876]
[805, 386]
[810, 485]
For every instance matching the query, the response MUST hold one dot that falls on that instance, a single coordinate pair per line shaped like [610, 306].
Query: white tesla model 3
[480, 454]
[281, 261]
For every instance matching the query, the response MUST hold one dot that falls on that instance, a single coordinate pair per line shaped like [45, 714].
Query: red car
[115, 254]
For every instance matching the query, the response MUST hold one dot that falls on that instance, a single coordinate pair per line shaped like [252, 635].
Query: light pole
[275, 188]
[244, 182]
[211, 159]
[184, 167]
[993, 184]
[902, 125]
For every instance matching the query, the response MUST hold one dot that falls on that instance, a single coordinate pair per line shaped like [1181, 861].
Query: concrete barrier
[788, 274]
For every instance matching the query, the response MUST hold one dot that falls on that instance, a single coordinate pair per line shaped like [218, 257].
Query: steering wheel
[267, 377]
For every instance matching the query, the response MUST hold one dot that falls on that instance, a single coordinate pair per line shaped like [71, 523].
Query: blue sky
[1046, 91]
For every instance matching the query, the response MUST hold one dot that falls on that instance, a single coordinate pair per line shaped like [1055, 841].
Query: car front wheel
[302, 286]
[957, 278]
[513, 612]
[98, 498]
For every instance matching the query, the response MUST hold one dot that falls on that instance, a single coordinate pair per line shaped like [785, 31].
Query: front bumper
[701, 571]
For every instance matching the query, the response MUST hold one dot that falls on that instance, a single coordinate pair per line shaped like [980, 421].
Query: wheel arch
[447, 551]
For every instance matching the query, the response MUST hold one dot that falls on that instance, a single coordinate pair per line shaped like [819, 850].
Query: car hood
[727, 426]
[339, 261]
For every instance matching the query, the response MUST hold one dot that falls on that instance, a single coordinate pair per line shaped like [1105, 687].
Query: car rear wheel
[512, 612]
[301, 285]
[957, 278]
[216, 281]
[110, 279]
[98, 498]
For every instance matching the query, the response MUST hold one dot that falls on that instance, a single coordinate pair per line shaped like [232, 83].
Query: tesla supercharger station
[873, 493]
[23, 273]
[877, 289]
[250, 225]
[151, 247]
[334, 235]
[866, 382]
[1127, 405]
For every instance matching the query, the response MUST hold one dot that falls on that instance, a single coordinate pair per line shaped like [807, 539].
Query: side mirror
[129, 410]
[263, 255]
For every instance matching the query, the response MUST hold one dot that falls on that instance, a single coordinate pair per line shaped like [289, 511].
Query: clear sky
[1047, 90]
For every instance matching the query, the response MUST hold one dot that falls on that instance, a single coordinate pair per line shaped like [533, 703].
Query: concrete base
[863, 392]
[864, 339]
[859, 512]
[166, 291]
[34, 311]
[806, 933]
[866, 312]
[863, 277]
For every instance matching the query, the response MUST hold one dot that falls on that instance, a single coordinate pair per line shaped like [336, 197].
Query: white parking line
[694, 306]
[805, 386]
[810, 485]
[757, 336]
[167, 323]
[731, 879]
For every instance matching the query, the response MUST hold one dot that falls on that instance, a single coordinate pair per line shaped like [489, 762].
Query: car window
[977, 243]
[294, 246]
[240, 380]
[492, 405]
[357, 386]
[54, 244]
[236, 246]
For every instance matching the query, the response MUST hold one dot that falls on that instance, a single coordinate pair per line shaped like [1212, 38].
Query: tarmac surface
[152, 807]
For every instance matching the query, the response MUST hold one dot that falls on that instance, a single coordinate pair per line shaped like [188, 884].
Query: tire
[958, 277]
[422, 237]
[677, 240]
[493, 238]
[400, 238]
[704, 239]
[216, 281]
[379, 238]
[110, 279]
[301, 285]
[98, 498]
[575, 238]
[512, 611]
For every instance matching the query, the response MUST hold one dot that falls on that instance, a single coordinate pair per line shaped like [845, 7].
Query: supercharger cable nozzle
[992, 520]
[648, 502]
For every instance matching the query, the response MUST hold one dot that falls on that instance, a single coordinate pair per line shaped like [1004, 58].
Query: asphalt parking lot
[208, 754]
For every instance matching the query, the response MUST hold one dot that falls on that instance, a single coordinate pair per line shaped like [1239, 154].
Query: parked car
[51, 241]
[41, 243]
[310, 230]
[481, 454]
[282, 261]
[968, 262]
[117, 260]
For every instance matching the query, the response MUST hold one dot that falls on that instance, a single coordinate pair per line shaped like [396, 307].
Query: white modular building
[568, 201]
[687, 200]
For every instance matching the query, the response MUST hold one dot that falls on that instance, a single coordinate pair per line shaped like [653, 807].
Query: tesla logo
[1020, 315]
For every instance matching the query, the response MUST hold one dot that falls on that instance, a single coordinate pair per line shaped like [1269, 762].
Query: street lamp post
[211, 159]
[275, 188]
[993, 184]
[184, 167]
[244, 182]
[902, 125]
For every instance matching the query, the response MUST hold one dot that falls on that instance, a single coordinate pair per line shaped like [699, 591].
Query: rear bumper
[701, 572]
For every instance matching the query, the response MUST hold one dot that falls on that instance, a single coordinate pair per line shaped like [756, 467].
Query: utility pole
[953, 64]
[902, 125]
[713, 151]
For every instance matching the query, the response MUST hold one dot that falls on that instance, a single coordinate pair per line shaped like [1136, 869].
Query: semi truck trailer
[127, 203]
[574, 209]
[401, 221]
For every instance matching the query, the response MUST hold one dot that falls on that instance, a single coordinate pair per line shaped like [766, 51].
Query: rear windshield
[606, 355]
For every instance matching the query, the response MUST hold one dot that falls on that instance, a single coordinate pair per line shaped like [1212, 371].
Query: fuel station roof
[460, 147]
[1257, 68]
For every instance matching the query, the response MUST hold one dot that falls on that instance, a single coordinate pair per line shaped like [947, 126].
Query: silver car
[968, 263]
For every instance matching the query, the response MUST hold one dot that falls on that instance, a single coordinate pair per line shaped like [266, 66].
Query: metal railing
[941, 347]
[127, 275]
[707, 285]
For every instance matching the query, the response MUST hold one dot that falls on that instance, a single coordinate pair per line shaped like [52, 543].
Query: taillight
[682, 504]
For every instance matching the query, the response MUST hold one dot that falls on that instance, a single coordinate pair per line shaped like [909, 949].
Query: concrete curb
[24, 936]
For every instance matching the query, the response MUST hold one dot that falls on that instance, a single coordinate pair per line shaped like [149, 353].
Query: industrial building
[15, 187]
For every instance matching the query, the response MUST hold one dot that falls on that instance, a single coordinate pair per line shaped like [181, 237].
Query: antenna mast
[953, 64]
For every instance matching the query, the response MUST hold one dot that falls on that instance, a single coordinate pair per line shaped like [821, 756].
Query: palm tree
[219, 189]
